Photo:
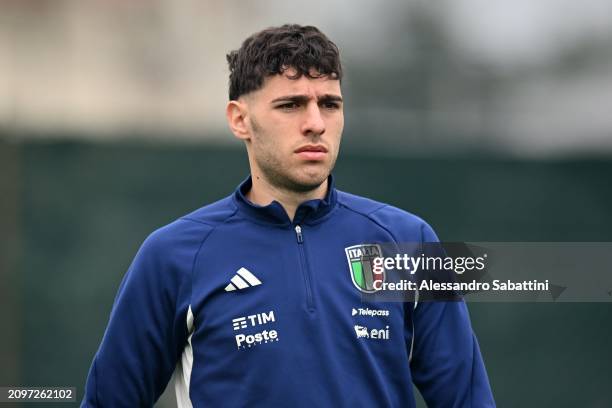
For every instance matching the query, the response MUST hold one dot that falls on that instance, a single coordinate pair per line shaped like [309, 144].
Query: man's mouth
[312, 152]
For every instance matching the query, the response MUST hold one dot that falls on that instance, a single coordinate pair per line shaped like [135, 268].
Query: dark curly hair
[274, 50]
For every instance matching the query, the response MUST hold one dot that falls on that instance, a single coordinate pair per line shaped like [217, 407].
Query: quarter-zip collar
[307, 212]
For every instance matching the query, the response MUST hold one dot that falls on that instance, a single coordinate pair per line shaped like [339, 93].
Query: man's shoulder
[213, 214]
[403, 223]
[190, 229]
[376, 209]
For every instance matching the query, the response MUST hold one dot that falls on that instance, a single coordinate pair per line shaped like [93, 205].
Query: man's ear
[236, 112]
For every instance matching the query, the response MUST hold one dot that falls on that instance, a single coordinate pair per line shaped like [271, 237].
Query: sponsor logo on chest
[364, 332]
[249, 338]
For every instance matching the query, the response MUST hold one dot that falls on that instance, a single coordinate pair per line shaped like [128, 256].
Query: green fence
[74, 215]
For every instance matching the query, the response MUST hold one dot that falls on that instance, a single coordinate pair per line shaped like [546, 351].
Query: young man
[250, 301]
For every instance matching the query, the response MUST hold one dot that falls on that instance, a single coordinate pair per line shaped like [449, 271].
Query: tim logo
[363, 332]
[248, 340]
[254, 320]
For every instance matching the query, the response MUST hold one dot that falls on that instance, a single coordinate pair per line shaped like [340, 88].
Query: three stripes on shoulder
[242, 279]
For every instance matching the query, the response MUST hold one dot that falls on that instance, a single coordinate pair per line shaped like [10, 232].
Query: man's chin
[307, 183]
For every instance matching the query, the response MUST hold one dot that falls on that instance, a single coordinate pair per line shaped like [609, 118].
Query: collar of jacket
[308, 212]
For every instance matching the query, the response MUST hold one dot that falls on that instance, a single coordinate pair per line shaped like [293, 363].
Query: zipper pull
[298, 233]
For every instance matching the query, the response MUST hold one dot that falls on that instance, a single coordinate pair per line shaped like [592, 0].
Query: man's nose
[313, 121]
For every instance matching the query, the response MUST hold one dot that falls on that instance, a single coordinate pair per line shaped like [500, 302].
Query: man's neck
[263, 193]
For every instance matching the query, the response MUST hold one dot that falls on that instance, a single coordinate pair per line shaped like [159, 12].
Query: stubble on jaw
[273, 170]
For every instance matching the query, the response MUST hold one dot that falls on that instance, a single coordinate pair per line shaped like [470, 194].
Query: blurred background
[491, 120]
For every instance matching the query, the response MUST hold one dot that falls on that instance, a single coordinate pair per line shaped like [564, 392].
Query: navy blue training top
[240, 306]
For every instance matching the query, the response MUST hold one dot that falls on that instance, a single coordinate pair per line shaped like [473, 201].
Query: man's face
[295, 126]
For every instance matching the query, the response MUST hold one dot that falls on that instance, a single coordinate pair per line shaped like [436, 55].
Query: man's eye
[288, 106]
[331, 105]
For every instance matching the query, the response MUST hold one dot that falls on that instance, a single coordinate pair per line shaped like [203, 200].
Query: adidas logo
[242, 279]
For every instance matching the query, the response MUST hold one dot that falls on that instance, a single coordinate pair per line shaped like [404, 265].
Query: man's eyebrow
[330, 98]
[306, 98]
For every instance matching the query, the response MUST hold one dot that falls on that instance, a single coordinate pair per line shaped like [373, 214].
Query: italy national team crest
[360, 258]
